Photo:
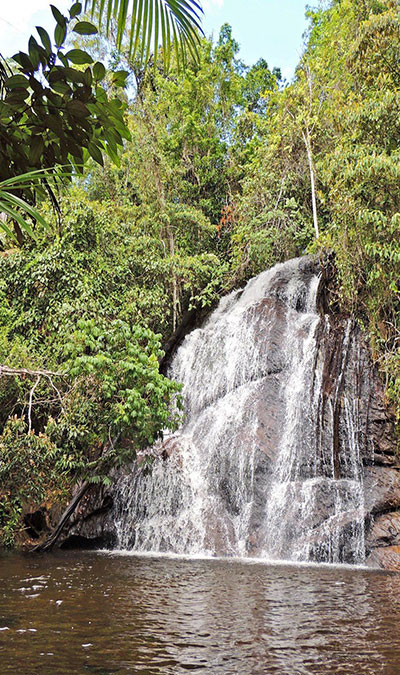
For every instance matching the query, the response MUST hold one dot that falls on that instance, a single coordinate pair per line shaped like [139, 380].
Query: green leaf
[77, 108]
[75, 9]
[17, 96]
[44, 36]
[73, 149]
[119, 78]
[98, 71]
[36, 149]
[55, 75]
[17, 81]
[101, 95]
[58, 16]
[16, 215]
[34, 53]
[121, 18]
[88, 77]
[95, 152]
[156, 34]
[9, 208]
[24, 61]
[74, 75]
[62, 88]
[54, 123]
[177, 21]
[36, 86]
[59, 34]
[113, 155]
[85, 28]
[78, 56]
[3, 225]
[146, 41]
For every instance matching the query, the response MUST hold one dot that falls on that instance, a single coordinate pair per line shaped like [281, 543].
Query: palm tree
[175, 24]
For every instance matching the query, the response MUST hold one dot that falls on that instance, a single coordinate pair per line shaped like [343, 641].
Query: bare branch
[30, 404]
[12, 372]
[280, 192]
[57, 392]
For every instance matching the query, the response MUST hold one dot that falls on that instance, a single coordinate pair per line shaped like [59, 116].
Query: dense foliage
[70, 307]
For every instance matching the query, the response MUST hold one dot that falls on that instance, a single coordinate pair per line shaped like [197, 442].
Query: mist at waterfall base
[253, 472]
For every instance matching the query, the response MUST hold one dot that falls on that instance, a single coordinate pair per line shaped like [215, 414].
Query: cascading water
[314, 508]
[255, 469]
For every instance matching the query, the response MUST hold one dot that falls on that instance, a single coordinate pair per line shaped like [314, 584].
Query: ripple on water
[119, 614]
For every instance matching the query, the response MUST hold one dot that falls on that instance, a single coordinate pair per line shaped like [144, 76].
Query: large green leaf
[85, 28]
[78, 56]
[177, 23]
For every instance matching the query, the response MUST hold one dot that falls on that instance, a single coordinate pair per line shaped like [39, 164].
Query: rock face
[374, 434]
[288, 449]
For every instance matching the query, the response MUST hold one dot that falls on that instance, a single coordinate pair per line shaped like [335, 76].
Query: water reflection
[93, 613]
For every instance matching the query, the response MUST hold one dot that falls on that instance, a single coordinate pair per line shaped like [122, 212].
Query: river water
[101, 613]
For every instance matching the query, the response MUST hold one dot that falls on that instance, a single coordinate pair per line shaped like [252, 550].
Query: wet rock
[388, 558]
[384, 530]
[92, 525]
[349, 375]
[381, 489]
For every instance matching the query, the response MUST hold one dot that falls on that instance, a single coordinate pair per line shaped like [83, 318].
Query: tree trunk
[171, 245]
[307, 143]
[54, 536]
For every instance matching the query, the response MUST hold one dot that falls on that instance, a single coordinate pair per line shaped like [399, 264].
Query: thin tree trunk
[72, 506]
[171, 244]
[307, 143]
[168, 231]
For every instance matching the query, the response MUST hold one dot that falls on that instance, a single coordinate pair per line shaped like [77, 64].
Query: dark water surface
[99, 613]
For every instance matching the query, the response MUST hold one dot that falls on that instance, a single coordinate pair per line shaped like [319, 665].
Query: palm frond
[15, 208]
[176, 22]
[5, 73]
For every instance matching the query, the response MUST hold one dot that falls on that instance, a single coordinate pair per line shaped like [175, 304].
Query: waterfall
[267, 463]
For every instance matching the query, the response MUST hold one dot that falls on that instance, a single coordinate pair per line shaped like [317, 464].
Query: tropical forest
[200, 344]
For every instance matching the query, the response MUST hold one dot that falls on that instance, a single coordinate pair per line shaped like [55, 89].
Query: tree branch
[30, 404]
[49, 543]
[72, 506]
[13, 372]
